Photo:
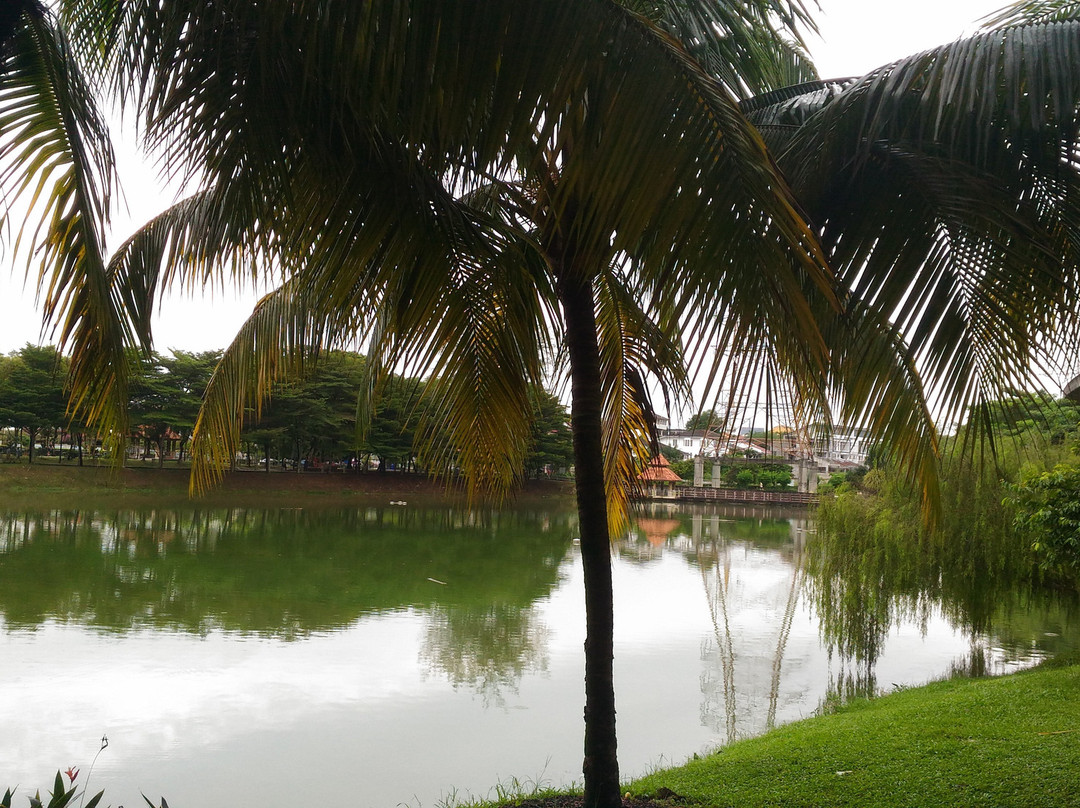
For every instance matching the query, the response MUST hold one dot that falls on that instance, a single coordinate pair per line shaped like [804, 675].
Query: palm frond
[206, 241]
[630, 345]
[274, 343]
[1033, 11]
[58, 158]
[750, 47]
[485, 353]
[945, 187]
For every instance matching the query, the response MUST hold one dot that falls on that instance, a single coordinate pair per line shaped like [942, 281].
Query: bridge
[686, 493]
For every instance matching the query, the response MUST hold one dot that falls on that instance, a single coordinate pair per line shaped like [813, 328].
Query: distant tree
[703, 420]
[551, 443]
[391, 434]
[32, 395]
[186, 377]
[684, 468]
[311, 416]
[670, 453]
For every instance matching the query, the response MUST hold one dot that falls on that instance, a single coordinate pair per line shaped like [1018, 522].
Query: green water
[394, 655]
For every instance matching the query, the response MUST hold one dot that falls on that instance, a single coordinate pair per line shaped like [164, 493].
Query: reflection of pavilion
[657, 530]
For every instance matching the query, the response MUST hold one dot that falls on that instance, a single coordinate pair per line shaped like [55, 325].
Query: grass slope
[1008, 741]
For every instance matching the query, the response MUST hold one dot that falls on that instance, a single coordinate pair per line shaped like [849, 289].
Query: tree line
[309, 421]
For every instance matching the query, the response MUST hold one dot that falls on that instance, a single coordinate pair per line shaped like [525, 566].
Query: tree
[32, 392]
[56, 153]
[414, 239]
[488, 196]
[704, 420]
[550, 441]
[166, 395]
[391, 433]
[149, 404]
[187, 375]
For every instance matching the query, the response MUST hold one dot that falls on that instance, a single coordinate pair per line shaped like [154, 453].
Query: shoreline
[78, 486]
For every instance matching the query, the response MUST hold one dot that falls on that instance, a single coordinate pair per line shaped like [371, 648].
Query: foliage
[536, 197]
[685, 468]
[551, 448]
[945, 203]
[32, 394]
[704, 419]
[874, 556]
[392, 434]
[995, 496]
[60, 797]
[1047, 511]
[757, 475]
[308, 417]
[671, 454]
[166, 393]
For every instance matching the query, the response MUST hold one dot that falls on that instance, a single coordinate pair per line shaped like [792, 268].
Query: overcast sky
[856, 36]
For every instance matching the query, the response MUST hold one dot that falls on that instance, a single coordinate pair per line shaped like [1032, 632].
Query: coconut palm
[464, 197]
[945, 188]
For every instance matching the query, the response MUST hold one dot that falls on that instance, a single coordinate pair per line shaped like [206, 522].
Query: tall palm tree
[351, 148]
[435, 180]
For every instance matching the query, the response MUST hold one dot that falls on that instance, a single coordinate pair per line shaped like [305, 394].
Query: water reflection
[750, 563]
[280, 573]
[486, 648]
[310, 642]
[762, 571]
[865, 582]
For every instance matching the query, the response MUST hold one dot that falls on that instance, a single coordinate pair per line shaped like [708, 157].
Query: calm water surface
[394, 656]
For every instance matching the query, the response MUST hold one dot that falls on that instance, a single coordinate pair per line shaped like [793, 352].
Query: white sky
[856, 36]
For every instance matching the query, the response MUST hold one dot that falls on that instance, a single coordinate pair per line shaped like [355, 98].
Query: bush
[1046, 507]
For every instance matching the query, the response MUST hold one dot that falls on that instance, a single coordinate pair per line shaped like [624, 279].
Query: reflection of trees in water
[285, 573]
[865, 579]
[486, 648]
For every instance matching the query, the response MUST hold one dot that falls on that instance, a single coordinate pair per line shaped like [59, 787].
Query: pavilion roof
[659, 471]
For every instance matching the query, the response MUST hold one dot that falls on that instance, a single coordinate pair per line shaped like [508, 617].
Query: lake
[401, 656]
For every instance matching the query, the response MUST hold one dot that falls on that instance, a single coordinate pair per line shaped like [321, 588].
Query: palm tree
[464, 197]
[945, 189]
[434, 180]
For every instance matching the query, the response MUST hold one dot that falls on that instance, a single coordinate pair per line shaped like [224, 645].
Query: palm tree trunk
[601, 765]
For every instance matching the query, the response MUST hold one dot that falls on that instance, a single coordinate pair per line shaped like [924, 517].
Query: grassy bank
[1008, 741]
[50, 485]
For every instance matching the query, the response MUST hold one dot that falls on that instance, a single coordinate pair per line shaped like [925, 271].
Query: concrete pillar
[699, 471]
[716, 474]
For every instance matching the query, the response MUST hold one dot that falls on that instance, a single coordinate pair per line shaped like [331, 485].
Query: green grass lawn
[1008, 741]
